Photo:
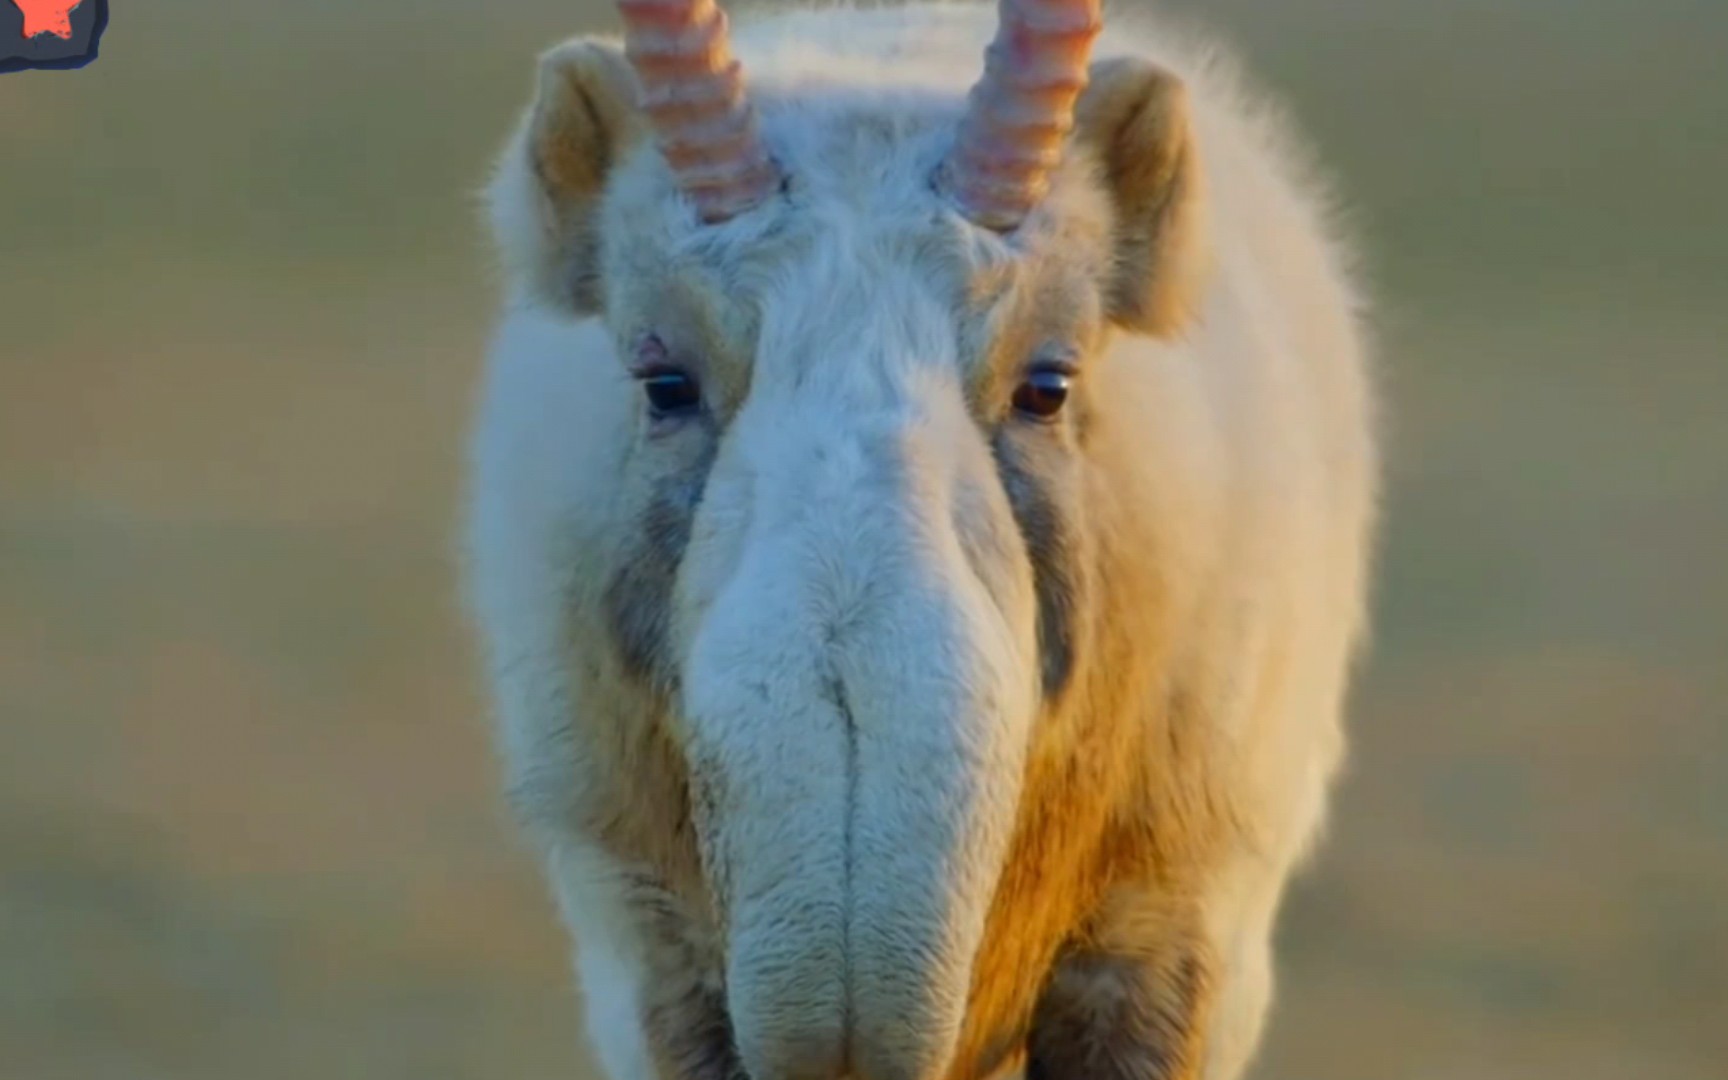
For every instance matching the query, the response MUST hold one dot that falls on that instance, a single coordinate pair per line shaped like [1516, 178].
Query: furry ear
[544, 198]
[1134, 116]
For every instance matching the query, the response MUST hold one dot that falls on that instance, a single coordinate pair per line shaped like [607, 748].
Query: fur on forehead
[859, 163]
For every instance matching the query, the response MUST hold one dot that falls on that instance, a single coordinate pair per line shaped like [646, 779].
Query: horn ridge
[692, 92]
[1019, 113]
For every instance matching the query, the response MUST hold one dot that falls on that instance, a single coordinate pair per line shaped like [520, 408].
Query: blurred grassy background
[248, 824]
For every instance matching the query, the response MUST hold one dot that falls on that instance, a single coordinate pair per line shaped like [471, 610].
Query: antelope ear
[544, 197]
[1134, 116]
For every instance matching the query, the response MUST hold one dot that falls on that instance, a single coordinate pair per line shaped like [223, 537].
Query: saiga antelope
[920, 524]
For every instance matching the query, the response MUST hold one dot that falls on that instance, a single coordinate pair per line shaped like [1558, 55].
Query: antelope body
[919, 528]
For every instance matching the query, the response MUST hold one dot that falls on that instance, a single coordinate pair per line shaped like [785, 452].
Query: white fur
[595, 905]
[1260, 456]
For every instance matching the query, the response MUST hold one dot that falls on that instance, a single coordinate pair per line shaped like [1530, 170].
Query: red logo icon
[47, 17]
[50, 34]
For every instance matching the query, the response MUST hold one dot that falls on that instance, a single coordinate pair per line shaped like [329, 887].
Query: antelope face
[859, 563]
[854, 427]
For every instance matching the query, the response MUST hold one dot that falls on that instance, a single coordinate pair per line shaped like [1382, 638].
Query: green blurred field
[248, 824]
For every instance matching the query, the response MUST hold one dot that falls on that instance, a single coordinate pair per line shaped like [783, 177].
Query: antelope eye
[1043, 393]
[671, 392]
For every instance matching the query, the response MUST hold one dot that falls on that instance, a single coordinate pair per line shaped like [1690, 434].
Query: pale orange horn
[693, 94]
[1019, 113]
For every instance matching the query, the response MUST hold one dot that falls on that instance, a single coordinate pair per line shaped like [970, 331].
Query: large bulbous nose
[858, 690]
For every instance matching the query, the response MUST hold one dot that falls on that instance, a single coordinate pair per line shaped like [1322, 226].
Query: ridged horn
[1019, 113]
[693, 95]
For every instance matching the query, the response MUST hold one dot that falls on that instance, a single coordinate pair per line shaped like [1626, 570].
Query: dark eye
[1043, 393]
[671, 392]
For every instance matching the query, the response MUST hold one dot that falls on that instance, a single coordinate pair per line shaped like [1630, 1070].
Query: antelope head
[866, 459]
